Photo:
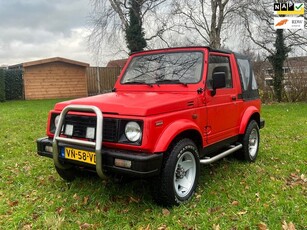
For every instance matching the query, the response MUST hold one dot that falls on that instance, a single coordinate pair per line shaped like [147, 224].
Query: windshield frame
[182, 52]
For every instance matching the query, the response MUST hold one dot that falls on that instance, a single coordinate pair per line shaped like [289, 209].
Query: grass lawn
[268, 194]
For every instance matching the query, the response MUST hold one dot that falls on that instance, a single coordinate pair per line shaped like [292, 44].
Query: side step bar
[97, 144]
[233, 148]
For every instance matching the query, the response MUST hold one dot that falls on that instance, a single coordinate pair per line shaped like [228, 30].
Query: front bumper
[142, 164]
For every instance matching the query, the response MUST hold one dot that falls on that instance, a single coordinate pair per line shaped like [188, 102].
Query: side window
[219, 64]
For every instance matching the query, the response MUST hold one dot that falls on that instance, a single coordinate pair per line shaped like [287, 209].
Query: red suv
[170, 111]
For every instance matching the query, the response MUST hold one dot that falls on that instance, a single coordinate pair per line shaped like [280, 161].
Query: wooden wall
[55, 80]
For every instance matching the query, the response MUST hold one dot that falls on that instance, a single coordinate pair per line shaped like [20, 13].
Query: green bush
[2, 85]
[13, 84]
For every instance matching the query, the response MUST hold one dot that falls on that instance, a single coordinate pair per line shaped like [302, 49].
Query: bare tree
[296, 86]
[258, 20]
[110, 19]
[208, 18]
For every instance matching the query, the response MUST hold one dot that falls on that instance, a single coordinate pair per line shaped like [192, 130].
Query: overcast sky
[36, 29]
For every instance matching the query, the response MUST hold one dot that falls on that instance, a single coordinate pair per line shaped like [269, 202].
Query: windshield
[165, 68]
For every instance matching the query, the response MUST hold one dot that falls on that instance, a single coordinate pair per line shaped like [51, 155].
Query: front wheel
[179, 176]
[250, 142]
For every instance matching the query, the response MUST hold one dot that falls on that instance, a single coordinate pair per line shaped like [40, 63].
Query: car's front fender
[172, 131]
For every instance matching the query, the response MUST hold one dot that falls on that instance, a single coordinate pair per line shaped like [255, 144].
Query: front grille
[80, 123]
[110, 130]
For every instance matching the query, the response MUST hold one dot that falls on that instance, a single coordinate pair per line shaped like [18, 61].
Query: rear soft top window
[247, 77]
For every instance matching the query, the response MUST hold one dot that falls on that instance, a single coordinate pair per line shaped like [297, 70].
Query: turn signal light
[48, 149]
[122, 163]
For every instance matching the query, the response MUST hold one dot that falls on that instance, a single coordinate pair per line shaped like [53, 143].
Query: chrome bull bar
[97, 144]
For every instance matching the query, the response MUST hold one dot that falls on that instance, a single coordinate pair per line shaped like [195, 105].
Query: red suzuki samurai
[170, 111]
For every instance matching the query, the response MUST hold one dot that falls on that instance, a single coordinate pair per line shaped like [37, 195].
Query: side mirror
[218, 81]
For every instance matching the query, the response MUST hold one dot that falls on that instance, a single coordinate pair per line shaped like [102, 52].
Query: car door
[222, 108]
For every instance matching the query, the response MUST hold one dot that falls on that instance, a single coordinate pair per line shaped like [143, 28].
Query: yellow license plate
[80, 155]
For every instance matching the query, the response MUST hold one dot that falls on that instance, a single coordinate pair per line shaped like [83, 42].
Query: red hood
[136, 103]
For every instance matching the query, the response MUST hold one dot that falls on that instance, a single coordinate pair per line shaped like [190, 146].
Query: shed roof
[54, 59]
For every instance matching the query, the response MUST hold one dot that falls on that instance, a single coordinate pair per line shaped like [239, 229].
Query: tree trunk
[215, 30]
[277, 60]
[134, 32]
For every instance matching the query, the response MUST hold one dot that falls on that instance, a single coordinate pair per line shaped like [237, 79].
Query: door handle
[233, 98]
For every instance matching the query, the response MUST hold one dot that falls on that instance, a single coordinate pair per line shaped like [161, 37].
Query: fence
[101, 79]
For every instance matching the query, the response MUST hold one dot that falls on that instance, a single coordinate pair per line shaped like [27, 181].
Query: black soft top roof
[238, 55]
[241, 56]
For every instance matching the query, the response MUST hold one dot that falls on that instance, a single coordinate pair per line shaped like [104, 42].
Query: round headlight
[56, 121]
[133, 131]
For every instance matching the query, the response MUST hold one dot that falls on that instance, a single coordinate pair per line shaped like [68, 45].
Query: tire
[67, 174]
[250, 142]
[179, 174]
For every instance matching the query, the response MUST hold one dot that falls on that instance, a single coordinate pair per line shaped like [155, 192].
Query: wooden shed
[54, 78]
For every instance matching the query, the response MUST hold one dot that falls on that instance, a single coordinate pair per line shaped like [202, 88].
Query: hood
[136, 103]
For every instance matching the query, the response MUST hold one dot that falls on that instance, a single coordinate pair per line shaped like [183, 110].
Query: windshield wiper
[171, 81]
[137, 83]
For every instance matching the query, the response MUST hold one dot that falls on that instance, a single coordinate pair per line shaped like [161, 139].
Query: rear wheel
[179, 176]
[250, 142]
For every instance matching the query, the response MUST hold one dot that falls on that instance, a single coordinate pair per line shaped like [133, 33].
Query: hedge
[2, 85]
[13, 84]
